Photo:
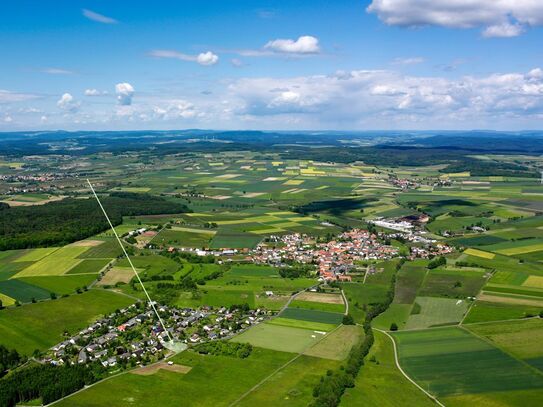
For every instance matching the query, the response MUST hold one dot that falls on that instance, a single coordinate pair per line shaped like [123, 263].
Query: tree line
[69, 220]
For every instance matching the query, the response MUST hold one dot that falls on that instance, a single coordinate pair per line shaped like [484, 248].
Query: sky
[271, 65]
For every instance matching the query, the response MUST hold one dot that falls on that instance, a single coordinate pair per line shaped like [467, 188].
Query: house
[82, 358]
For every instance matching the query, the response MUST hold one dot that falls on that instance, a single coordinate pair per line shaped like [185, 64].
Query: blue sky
[357, 65]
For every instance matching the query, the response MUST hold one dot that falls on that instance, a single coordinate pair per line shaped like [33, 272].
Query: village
[132, 336]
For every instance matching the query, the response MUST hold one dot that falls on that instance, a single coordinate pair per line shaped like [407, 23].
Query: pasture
[380, 383]
[279, 338]
[227, 378]
[433, 311]
[337, 344]
[40, 326]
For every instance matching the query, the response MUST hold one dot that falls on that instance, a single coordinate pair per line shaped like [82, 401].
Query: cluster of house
[334, 259]
[404, 183]
[133, 334]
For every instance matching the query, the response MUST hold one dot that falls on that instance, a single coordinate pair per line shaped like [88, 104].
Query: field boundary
[432, 397]
[302, 353]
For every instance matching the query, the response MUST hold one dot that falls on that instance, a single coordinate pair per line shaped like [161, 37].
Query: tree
[53, 296]
[348, 320]
[393, 326]
[1, 305]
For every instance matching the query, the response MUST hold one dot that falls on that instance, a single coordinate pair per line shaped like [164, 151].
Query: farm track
[396, 359]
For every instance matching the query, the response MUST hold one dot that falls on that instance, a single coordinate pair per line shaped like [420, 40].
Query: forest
[63, 222]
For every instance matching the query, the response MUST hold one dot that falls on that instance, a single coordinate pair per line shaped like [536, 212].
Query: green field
[66, 284]
[483, 311]
[22, 291]
[280, 338]
[300, 323]
[449, 361]
[435, 312]
[212, 381]
[40, 326]
[337, 344]
[89, 266]
[381, 384]
[317, 306]
[312, 315]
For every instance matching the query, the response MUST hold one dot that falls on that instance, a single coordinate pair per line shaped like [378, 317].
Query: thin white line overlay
[130, 261]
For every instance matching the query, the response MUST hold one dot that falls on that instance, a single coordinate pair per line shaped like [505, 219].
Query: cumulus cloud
[498, 18]
[204, 58]
[370, 95]
[124, 92]
[305, 44]
[99, 18]
[68, 103]
[95, 92]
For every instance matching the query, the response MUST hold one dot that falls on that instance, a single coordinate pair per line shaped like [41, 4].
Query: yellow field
[203, 231]
[266, 231]
[294, 182]
[6, 301]
[320, 297]
[36, 254]
[534, 281]
[116, 275]
[521, 250]
[55, 264]
[479, 253]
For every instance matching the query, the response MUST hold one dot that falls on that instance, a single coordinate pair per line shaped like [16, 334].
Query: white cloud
[68, 103]
[390, 99]
[7, 96]
[57, 71]
[204, 58]
[305, 44]
[124, 92]
[498, 18]
[95, 92]
[207, 58]
[8, 119]
[238, 63]
[504, 30]
[408, 61]
[99, 18]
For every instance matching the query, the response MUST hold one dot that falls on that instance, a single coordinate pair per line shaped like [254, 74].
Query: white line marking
[130, 261]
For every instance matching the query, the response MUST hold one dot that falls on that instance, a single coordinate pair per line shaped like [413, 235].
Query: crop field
[117, 275]
[453, 283]
[312, 315]
[433, 311]
[381, 384]
[66, 284]
[39, 326]
[521, 339]
[280, 338]
[21, 291]
[449, 361]
[56, 263]
[185, 237]
[317, 306]
[483, 311]
[89, 266]
[251, 270]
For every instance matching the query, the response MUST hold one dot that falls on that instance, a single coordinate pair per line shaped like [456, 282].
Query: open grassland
[337, 344]
[292, 386]
[299, 323]
[212, 381]
[40, 326]
[185, 237]
[450, 361]
[395, 313]
[381, 384]
[361, 295]
[280, 338]
[510, 398]
[216, 297]
[432, 311]
[251, 270]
